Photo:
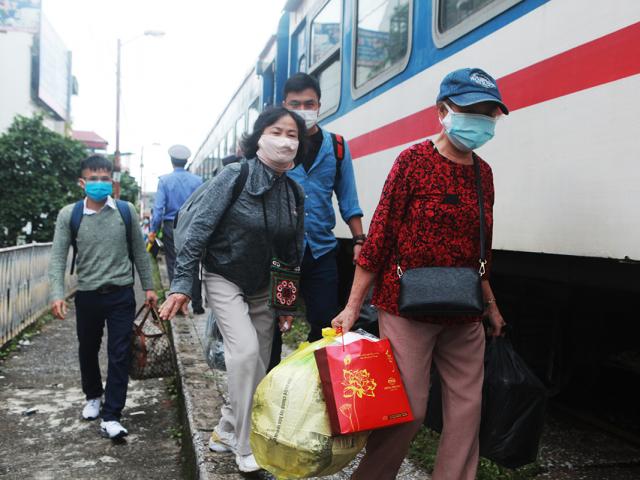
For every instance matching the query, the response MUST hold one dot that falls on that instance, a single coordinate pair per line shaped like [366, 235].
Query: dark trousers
[170, 255]
[118, 309]
[319, 288]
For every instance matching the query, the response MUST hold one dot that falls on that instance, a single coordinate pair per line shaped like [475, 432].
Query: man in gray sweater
[106, 249]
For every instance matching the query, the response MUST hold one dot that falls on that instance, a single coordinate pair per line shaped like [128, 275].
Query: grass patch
[423, 452]
[298, 333]
[31, 331]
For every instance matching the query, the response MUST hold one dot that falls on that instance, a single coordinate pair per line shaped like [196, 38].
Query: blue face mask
[98, 191]
[468, 131]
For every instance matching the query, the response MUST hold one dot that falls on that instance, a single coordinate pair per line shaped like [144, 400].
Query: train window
[223, 147]
[324, 54]
[231, 141]
[383, 42]
[326, 31]
[454, 18]
[329, 79]
[302, 64]
[252, 114]
[240, 129]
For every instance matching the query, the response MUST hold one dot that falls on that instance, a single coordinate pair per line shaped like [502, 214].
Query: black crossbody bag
[445, 291]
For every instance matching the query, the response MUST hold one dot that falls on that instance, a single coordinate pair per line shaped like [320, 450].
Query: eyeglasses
[307, 104]
[95, 178]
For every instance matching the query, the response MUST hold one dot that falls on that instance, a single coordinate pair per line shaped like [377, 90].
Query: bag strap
[338, 152]
[125, 213]
[289, 183]
[483, 253]
[74, 226]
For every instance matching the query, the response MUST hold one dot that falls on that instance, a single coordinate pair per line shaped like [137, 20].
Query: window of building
[454, 18]
[383, 41]
[324, 56]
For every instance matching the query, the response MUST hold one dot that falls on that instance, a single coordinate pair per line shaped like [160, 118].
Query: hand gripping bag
[291, 433]
[513, 407]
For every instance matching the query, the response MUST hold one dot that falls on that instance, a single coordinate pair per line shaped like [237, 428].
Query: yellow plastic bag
[290, 435]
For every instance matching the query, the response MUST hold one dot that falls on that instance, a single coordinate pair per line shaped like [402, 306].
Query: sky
[174, 86]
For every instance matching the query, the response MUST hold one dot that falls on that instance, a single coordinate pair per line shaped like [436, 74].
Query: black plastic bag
[213, 345]
[514, 402]
[513, 407]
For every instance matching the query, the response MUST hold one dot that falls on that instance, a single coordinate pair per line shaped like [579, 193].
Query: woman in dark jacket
[238, 241]
[428, 215]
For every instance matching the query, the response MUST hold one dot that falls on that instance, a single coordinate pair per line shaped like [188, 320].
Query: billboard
[54, 71]
[20, 16]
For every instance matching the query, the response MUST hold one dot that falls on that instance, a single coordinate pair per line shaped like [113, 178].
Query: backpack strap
[74, 226]
[338, 151]
[240, 182]
[125, 213]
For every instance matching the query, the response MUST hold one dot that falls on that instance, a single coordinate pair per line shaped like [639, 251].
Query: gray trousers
[246, 324]
[170, 256]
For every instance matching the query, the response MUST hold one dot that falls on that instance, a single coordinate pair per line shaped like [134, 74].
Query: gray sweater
[103, 257]
[233, 237]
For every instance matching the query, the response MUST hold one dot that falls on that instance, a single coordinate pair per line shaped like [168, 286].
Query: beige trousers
[459, 355]
[246, 324]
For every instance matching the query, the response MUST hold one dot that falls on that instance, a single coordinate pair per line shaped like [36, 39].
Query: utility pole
[116, 158]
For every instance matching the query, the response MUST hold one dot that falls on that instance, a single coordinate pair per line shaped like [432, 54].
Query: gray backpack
[187, 211]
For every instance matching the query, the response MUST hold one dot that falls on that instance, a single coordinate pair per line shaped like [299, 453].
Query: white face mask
[277, 152]
[310, 117]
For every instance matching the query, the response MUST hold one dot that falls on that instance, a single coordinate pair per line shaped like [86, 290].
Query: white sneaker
[112, 429]
[91, 410]
[221, 442]
[247, 463]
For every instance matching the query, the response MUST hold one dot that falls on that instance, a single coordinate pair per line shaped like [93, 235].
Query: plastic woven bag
[214, 345]
[291, 434]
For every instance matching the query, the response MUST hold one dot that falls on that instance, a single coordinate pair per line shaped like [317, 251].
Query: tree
[129, 189]
[39, 170]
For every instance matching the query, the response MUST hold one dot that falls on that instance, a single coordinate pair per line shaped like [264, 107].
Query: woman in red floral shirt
[428, 215]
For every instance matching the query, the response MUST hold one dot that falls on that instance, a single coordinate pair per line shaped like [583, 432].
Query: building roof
[90, 139]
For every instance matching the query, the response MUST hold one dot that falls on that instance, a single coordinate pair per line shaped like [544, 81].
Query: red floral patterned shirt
[428, 214]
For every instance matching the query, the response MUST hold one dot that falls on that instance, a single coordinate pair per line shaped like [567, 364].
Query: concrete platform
[204, 392]
[53, 442]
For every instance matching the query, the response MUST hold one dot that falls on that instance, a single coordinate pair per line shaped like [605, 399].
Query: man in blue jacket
[326, 169]
[173, 190]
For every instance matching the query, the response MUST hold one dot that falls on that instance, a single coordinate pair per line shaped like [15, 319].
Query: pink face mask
[277, 152]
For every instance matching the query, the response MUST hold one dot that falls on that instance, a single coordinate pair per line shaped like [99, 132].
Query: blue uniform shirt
[319, 183]
[173, 191]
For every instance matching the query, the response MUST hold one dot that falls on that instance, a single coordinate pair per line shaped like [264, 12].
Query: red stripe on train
[606, 59]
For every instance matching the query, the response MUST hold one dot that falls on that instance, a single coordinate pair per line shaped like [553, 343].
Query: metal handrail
[24, 287]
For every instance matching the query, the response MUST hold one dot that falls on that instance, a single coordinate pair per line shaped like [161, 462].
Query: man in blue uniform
[326, 169]
[173, 190]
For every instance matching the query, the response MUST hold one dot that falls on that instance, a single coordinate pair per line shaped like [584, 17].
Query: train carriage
[565, 162]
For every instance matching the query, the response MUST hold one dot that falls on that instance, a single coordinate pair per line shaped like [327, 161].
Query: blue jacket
[173, 190]
[319, 184]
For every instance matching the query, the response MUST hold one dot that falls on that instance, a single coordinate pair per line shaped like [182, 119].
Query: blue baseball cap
[469, 86]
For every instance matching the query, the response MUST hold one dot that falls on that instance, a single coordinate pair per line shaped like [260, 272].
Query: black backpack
[76, 218]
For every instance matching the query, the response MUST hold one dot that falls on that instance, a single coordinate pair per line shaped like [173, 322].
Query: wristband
[359, 239]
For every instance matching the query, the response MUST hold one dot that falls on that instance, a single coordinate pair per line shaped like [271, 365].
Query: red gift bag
[362, 386]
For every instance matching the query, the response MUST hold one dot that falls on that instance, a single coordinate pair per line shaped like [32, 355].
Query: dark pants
[170, 255]
[319, 288]
[118, 308]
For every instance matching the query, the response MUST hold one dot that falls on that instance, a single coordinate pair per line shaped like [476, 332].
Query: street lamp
[116, 157]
